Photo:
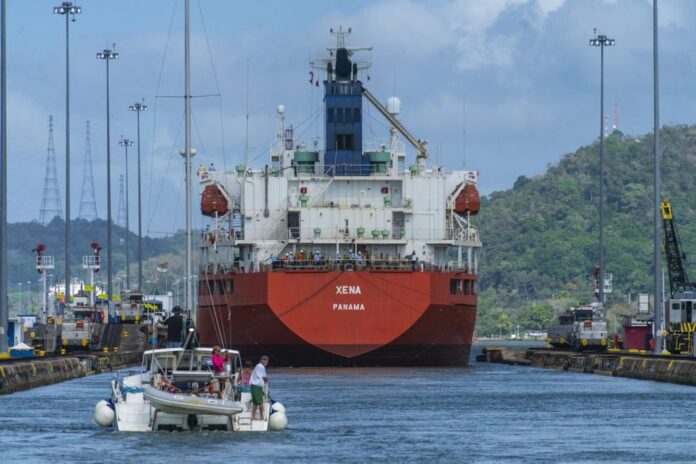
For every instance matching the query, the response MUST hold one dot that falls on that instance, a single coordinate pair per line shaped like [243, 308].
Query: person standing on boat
[259, 379]
[175, 326]
[219, 369]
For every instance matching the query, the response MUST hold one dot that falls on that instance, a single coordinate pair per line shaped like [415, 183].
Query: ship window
[349, 115]
[460, 287]
[330, 115]
[340, 116]
[211, 287]
[356, 114]
[344, 141]
[221, 287]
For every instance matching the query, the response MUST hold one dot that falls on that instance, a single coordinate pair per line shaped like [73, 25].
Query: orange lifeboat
[468, 200]
[213, 201]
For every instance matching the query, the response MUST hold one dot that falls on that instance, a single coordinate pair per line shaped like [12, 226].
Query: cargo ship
[341, 254]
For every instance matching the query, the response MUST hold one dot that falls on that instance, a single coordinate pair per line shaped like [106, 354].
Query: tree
[504, 324]
[538, 317]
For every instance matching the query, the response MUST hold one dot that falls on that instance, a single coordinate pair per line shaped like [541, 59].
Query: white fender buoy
[278, 421]
[104, 415]
[277, 407]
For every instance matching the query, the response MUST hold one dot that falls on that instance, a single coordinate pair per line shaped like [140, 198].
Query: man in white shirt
[259, 378]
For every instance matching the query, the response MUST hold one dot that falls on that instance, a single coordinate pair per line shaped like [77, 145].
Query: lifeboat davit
[468, 200]
[213, 201]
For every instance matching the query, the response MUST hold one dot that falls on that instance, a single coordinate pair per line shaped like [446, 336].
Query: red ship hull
[334, 318]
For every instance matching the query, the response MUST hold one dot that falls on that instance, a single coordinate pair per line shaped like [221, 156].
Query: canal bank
[671, 369]
[23, 374]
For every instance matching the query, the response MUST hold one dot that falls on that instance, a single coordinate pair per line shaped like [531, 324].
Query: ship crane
[417, 143]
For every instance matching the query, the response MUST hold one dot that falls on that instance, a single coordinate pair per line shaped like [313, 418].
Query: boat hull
[334, 318]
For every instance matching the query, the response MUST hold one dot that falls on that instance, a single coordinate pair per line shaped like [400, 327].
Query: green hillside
[23, 237]
[541, 238]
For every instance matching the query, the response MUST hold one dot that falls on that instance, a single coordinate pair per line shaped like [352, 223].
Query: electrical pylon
[121, 214]
[88, 204]
[51, 205]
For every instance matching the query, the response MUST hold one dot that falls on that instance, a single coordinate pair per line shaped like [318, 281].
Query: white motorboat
[177, 390]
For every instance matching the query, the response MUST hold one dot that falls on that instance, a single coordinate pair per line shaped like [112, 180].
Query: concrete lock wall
[635, 366]
[23, 375]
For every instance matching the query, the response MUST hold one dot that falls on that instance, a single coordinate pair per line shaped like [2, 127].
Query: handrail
[327, 265]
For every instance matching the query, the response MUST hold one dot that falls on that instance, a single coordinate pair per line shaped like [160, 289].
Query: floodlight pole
[67, 9]
[138, 107]
[658, 303]
[601, 41]
[108, 55]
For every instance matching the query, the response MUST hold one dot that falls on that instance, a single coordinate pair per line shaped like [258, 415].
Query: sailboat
[177, 388]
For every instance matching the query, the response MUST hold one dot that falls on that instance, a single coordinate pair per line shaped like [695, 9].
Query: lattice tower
[51, 205]
[121, 215]
[88, 203]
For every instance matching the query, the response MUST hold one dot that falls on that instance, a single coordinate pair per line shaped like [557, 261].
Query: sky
[504, 87]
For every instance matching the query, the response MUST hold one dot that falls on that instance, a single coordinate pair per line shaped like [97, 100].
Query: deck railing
[327, 265]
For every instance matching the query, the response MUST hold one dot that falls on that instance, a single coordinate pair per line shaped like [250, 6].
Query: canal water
[484, 413]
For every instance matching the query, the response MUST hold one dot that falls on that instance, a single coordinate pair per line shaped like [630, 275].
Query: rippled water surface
[484, 413]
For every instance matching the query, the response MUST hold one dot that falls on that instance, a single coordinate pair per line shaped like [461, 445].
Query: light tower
[88, 203]
[50, 200]
[601, 41]
[68, 10]
[107, 55]
[125, 143]
[43, 264]
[139, 107]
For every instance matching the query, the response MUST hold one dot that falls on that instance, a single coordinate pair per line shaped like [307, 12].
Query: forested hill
[541, 238]
[24, 236]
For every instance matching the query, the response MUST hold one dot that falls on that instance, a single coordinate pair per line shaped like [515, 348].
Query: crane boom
[676, 260]
[417, 144]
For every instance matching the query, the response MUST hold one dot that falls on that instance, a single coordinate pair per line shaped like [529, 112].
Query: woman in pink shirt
[218, 368]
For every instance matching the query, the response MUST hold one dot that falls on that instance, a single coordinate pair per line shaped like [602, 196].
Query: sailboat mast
[187, 157]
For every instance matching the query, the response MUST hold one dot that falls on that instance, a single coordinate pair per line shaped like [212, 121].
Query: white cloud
[549, 6]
